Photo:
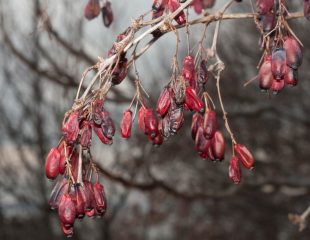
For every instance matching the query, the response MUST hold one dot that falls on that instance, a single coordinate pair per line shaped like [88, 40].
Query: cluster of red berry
[282, 52]
[74, 194]
[93, 9]
[78, 192]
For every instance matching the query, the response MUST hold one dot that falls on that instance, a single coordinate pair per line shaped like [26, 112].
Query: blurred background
[153, 193]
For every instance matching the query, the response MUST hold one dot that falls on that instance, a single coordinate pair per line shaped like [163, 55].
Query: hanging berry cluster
[282, 54]
[78, 191]
[93, 9]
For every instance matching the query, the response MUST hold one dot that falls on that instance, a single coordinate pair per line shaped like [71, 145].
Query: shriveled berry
[67, 230]
[107, 14]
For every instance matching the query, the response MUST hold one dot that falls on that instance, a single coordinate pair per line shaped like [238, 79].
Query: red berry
[293, 52]
[141, 119]
[101, 136]
[70, 128]
[126, 124]
[264, 6]
[107, 14]
[210, 124]
[86, 134]
[291, 76]
[173, 6]
[197, 121]
[265, 76]
[244, 155]
[277, 86]
[192, 101]
[163, 102]
[92, 9]
[218, 146]
[234, 170]
[66, 210]
[278, 63]
[101, 202]
[67, 230]
[52, 164]
[151, 124]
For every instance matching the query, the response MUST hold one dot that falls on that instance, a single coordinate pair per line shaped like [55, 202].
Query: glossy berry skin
[293, 52]
[67, 211]
[107, 14]
[234, 170]
[192, 101]
[244, 155]
[210, 124]
[70, 128]
[278, 63]
[163, 102]
[52, 163]
[264, 6]
[101, 202]
[92, 9]
[218, 146]
[126, 124]
[265, 76]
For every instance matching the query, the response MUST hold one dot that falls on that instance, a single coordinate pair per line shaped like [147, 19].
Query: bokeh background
[153, 193]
